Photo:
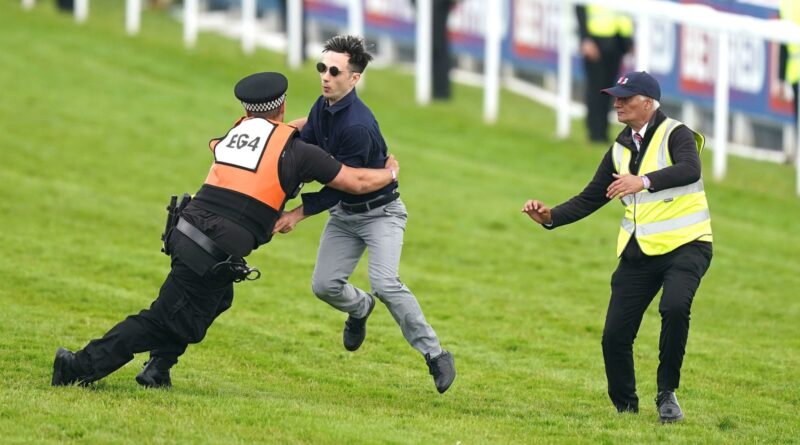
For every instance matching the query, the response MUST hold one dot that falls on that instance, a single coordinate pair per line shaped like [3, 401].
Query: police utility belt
[374, 203]
[223, 261]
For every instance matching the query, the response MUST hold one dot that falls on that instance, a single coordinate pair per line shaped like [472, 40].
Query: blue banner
[683, 59]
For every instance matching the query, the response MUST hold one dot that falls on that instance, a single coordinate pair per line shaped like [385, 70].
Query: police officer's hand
[537, 211]
[624, 185]
[288, 220]
[392, 164]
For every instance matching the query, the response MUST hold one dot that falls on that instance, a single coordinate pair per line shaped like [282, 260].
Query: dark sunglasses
[321, 67]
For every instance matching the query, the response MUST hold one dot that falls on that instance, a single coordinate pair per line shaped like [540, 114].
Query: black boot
[668, 409]
[443, 369]
[155, 374]
[66, 370]
[355, 329]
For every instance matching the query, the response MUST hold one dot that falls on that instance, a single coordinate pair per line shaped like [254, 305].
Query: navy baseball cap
[637, 82]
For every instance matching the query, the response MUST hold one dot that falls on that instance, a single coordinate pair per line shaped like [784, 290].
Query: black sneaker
[668, 409]
[66, 370]
[443, 369]
[355, 329]
[154, 374]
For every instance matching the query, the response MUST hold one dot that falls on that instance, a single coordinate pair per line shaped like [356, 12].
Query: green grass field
[100, 128]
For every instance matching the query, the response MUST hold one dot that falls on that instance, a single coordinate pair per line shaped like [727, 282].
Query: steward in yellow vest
[790, 10]
[605, 36]
[790, 54]
[664, 241]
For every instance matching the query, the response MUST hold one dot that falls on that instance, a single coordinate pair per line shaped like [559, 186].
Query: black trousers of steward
[633, 286]
[601, 74]
[187, 304]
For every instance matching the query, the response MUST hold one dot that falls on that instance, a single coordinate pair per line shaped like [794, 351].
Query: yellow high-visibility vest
[790, 10]
[604, 22]
[665, 220]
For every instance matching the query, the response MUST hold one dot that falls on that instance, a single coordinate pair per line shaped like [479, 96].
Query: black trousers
[599, 75]
[186, 306]
[633, 286]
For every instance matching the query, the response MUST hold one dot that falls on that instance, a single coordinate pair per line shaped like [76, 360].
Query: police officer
[258, 165]
[605, 38]
[664, 240]
[344, 126]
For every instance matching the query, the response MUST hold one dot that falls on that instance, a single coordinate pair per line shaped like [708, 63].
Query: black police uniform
[194, 293]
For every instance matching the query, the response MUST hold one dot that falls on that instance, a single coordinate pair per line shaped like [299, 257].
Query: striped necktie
[638, 138]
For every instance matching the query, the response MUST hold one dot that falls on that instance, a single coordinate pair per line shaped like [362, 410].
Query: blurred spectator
[605, 39]
[790, 54]
[441, 48]
[65, 5]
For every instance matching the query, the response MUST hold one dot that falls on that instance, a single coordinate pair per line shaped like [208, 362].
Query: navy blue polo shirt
[348, 131]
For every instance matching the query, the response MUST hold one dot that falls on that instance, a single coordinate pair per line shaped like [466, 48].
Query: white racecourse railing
[723, 25]
[294, 33]
[133, 16]
[424, 51]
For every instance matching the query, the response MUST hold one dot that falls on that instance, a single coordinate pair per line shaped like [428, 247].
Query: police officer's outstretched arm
[359, 181]
[351, 180]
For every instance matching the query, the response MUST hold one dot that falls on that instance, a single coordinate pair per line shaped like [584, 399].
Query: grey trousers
[380, 231]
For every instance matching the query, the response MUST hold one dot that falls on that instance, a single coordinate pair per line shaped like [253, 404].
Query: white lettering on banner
[662, 47]
[337, 3]
[244, 145]
[699, 64]
[395, 10]
[468, 17]
[536, 24]
[696, 66]
[748, 67]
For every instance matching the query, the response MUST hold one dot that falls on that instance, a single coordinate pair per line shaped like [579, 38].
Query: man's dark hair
[354, 47]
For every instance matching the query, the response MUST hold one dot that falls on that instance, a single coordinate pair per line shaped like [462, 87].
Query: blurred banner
[681, 58]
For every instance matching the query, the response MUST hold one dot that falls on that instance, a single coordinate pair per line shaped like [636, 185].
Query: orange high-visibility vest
[246, 160]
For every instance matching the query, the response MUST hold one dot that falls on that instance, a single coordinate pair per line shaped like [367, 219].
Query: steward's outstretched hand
[537, 211]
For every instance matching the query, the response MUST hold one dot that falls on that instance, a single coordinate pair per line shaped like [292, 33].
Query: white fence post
[643, 42]
[81, 10]
[564, 71]
[355, 26]
[721, 91]
[28, 4]
[294, 33]
[190, 13]
[424, 50]
[248, 26]
[491, 68]
[355, 18]
[133, 14]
